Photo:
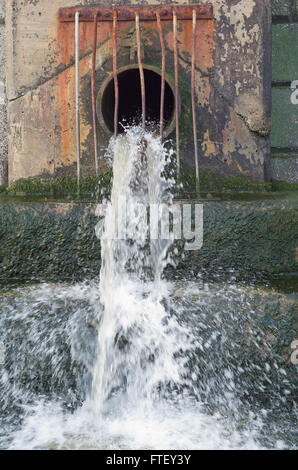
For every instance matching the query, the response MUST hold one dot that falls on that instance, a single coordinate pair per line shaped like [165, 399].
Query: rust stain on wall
[232, 102]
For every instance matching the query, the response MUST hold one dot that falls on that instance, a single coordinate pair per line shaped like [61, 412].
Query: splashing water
[138, 340]
[140, 362]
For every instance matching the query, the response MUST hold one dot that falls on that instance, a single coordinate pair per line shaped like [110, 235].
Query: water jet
[114, 333]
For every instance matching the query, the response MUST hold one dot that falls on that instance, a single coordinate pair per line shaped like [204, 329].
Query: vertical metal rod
[176, 92]
[93, 92]
[163, 73]
[77, 59]
[116, 88]
[142, 80]
[193, 104]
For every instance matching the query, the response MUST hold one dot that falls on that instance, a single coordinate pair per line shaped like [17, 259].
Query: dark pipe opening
[130, 105]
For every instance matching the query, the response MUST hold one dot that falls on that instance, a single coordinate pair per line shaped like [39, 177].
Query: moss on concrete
[284, 186]
[96, 187]
[210, 181]
[92, 185]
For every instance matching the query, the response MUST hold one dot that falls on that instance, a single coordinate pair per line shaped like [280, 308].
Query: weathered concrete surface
[3, 103]
[233, 95]
[56, 241]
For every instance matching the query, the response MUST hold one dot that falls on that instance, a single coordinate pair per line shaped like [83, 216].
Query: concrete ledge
[56, 241]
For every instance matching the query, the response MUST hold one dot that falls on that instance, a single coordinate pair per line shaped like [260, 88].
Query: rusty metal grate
[146, 13]
[137, 14]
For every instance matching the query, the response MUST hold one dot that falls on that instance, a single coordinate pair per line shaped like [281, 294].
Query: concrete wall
[3, 103]
[57, 241]
[232, 86]
[284, 137]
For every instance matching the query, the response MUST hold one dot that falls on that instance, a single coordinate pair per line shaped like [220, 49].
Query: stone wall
[233, 79]
[284, 137]
[56, 241]
[3, 103]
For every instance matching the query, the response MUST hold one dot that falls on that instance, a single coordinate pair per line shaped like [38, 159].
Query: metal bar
[127, 13]
[142, 79]
[77, 59]
[93, 93]
[163, 73]
[193, 104]
[116, 88]
[176, 93]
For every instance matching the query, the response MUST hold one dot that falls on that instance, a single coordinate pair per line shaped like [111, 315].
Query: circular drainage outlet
[130, 105]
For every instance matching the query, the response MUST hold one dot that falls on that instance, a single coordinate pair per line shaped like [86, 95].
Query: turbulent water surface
[134, 361]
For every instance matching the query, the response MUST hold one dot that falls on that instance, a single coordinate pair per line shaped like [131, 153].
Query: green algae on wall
[210, 181]
[97, 187]
[92, 185]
